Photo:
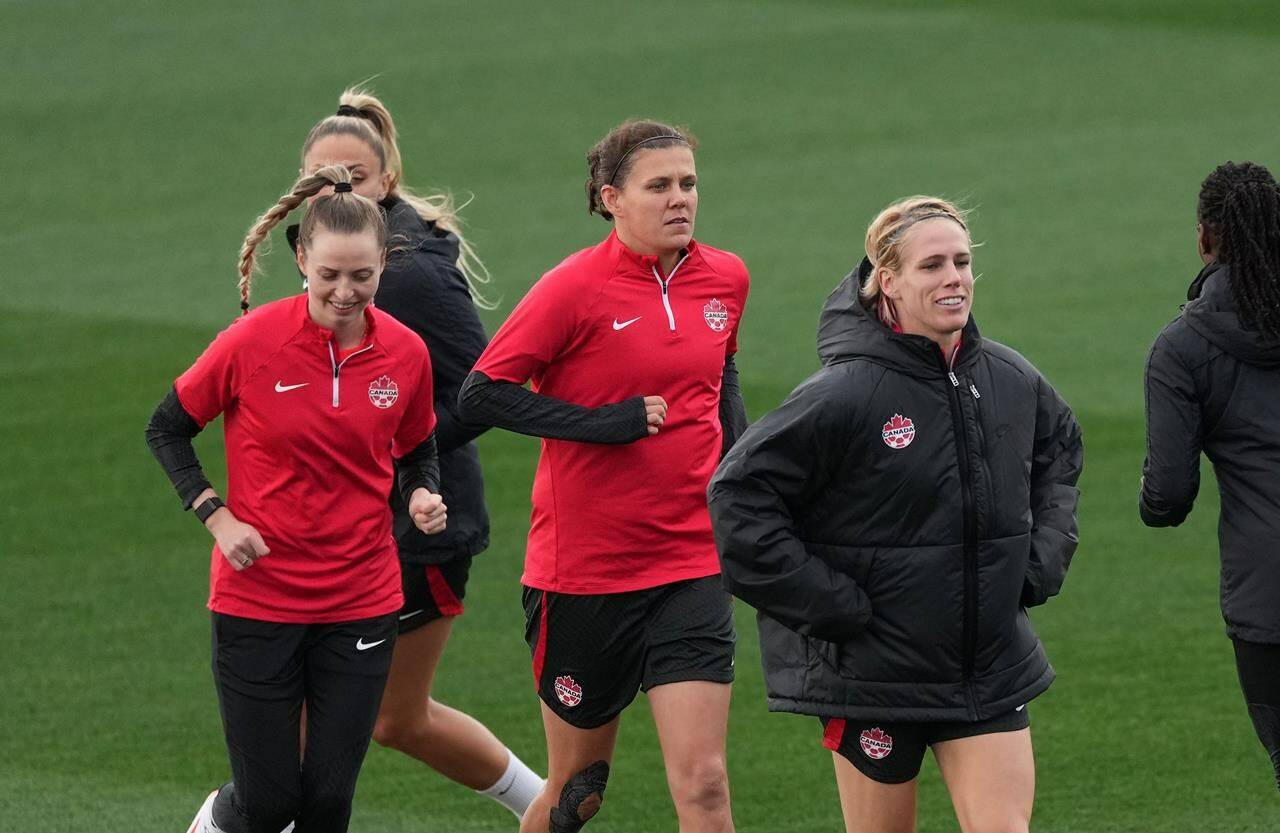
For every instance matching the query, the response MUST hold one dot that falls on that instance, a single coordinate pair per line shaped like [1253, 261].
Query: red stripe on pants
[834, 733]
[442, 593]
[540, 652]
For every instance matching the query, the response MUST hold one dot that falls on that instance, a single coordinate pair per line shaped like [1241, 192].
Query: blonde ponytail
[362, 114]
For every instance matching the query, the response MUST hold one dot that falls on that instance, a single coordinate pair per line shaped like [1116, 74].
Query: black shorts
[891, 753]
[432, 591]
[591, 654]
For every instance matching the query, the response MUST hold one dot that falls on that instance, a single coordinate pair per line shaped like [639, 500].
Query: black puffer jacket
[424, 290]
[891, 519]
[1214, 386]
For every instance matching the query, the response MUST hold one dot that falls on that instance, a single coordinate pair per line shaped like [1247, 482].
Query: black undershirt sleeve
[169, 435]
[733, 412]
[419, 469]
[484, 401]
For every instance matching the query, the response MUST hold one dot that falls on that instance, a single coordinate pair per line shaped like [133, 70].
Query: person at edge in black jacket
[893, 519]
[1213, 385]
[431, 284]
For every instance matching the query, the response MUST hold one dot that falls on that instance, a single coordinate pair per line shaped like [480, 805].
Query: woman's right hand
[655, 411]
[239, 543]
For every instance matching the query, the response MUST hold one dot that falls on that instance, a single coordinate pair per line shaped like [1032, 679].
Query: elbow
[470, 397]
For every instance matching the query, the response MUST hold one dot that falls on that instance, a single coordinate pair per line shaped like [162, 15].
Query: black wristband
[210, 505]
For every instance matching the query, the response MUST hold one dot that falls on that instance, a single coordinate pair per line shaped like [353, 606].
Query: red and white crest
[383, 392]
[875, 743]
[567, 691]
[898, 432]
[717, 315]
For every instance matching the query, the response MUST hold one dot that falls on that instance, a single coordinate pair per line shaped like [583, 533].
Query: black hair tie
[348, 110]
[342, 188]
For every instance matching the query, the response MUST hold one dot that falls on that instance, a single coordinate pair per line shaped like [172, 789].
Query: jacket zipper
[337, 365]
[666, 301]
[969, 635]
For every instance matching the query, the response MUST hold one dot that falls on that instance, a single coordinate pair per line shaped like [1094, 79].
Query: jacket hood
[1212, 313]
[406, 232]
[848, 330]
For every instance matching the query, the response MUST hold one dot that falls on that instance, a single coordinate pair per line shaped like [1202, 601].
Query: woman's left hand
[427, 511]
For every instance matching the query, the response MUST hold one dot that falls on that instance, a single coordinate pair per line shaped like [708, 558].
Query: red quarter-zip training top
[603, 326]
[310, 436]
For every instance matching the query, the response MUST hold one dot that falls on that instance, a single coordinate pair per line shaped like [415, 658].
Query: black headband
[638, 144]
[342, 187]
[348, 110]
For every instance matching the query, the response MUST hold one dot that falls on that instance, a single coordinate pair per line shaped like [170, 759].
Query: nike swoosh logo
[361, 645]
[283, 388]
[1020, 708]
[625, 324]
[415, 613]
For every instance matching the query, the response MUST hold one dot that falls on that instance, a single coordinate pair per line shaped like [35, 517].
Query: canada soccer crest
[875, 743]
[567, 691]
[898, 432]
[717, 315]
[383, 392]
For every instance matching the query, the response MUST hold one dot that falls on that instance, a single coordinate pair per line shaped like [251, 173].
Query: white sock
[517, 787]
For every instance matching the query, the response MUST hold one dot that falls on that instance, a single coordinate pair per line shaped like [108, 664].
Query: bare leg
[992, 780]
[452, 743]
[570, 750]
[871, 807]
[692, 718]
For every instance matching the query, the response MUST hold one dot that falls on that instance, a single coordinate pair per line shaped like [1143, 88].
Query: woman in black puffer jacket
[1213, 384]
[892, 520]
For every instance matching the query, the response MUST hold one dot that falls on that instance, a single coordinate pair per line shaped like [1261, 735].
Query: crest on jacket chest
[898, 432]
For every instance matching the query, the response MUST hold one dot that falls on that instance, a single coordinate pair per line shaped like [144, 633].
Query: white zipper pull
[974, 391]
[333, 360]
[955, 383]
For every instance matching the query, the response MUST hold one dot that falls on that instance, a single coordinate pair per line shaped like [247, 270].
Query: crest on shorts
[717, 315]
[875, 743]
[898, 432]
[383, 392]
[568, 691]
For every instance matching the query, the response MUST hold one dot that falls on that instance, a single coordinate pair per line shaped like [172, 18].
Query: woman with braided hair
[431, 285]
[1213, 386]
[321, 395]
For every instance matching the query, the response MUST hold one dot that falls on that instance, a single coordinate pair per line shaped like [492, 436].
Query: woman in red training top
[319, 392]
[629, 346]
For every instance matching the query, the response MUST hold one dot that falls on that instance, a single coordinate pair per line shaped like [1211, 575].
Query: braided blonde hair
[368, 119]
[885, 241]
[344, 213]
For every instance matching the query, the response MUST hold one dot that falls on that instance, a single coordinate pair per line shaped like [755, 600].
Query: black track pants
[264, 671]
[1259, 667]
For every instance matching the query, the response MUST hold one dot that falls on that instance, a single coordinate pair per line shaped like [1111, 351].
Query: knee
[399, 730]
[580, 799]
[702, 784]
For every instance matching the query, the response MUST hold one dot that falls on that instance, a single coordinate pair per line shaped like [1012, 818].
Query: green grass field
[141, 139]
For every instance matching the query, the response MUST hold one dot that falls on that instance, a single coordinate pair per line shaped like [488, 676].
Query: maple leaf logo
[875, 743]
[716, 315]
[898, 432]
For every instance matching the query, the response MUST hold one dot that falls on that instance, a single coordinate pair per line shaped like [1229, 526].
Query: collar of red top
[321, 334]
[645, 263]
